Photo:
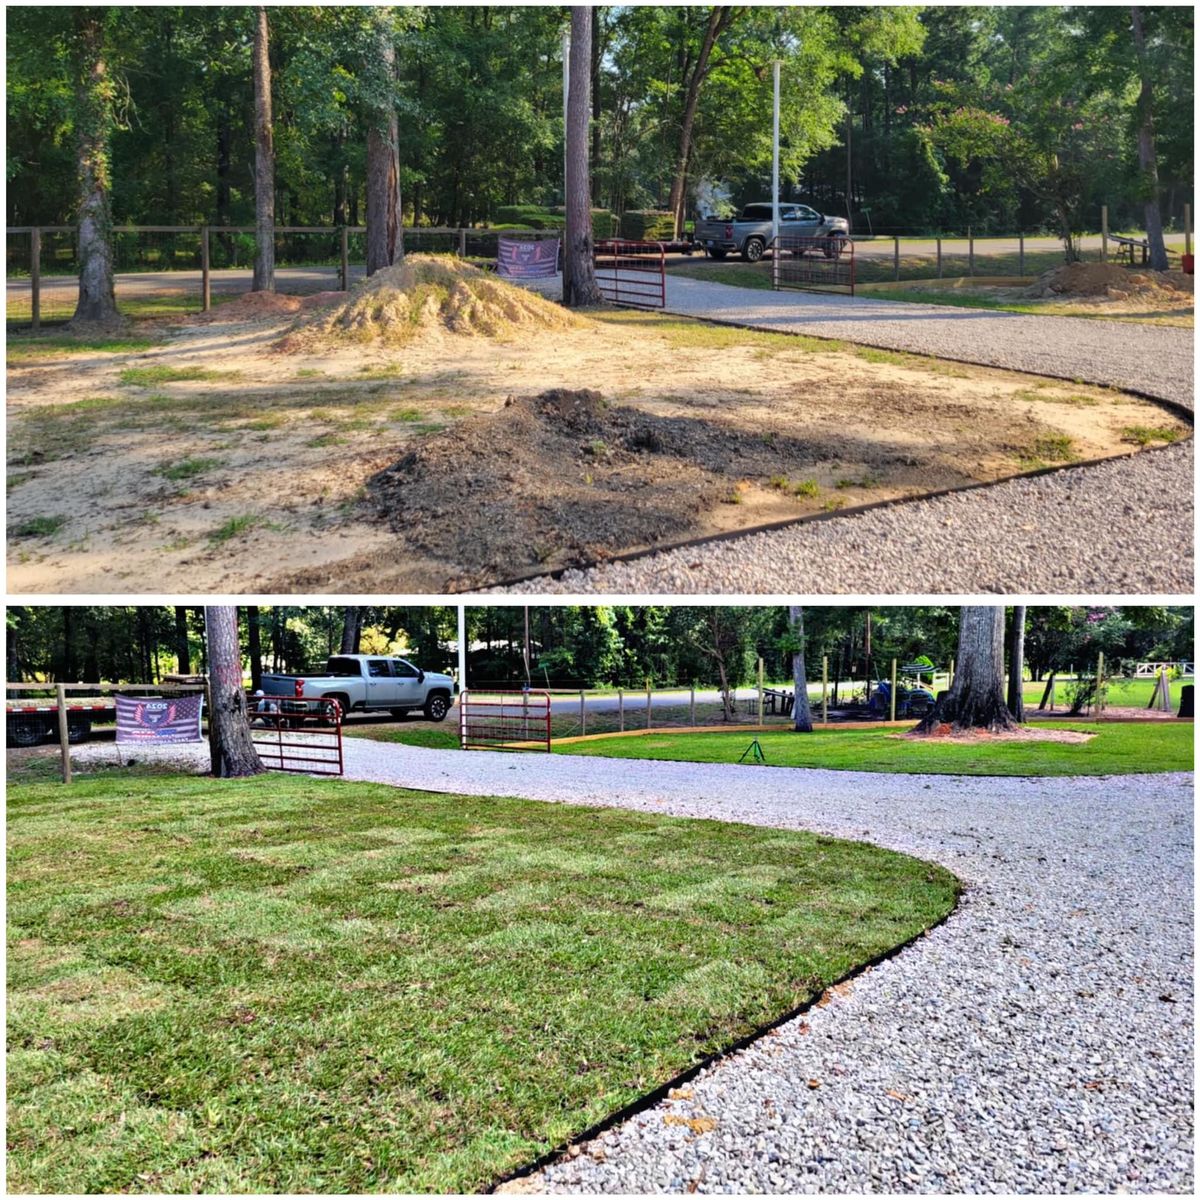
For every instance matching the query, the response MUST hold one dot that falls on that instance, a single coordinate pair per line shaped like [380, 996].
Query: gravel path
[1152, 359]
[1121, 526]
[1124, 526]
[1040, 1040]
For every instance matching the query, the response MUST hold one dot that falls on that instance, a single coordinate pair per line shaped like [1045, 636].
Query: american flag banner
[520, 259]
[159, 719]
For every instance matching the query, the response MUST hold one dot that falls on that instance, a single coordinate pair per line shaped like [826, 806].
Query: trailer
[31, 722]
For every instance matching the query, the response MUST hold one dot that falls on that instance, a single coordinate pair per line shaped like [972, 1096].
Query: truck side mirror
[420, 676]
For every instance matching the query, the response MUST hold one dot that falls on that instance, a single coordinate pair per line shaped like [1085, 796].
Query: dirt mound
[563, 478]
[434, 294]
[948, 733]
[1109, 281]
[255, 306]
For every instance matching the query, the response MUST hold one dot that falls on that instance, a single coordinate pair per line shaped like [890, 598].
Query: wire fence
[172, 271]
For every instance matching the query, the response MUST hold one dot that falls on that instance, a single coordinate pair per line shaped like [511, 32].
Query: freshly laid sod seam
[1116, 749]
[298, 985]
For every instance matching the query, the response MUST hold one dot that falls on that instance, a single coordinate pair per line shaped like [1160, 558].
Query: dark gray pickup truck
[749, 233]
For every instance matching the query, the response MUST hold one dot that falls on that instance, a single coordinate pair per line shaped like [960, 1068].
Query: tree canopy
[910, 117]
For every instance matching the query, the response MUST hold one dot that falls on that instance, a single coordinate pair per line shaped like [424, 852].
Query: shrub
[647, 225]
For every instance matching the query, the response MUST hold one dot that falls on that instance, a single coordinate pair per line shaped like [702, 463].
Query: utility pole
[462, 647]
[566, 57]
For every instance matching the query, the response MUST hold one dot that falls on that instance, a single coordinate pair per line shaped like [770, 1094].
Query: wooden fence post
[970, 252]
[1104, 233]
[760, 691]
[35, 278]
[1099, 705]
[1187, 229]
[462, 243]
[205, 272]
[649, 705]
[950, 681]
[64, 740]
[692, 707]
[939, 249]
[825, 665]
[1020, 254]
[620, 710]
[892, 706]
[582, 713]
[896, 258]
[345, 259]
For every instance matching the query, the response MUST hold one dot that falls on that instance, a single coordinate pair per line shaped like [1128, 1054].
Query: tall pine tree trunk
[1016, 664]
[183, 660]
[579, 268]
[264, 161]
[976, 699]
[93, 130]
[718, 21]
[595, 84]
[233, 753]
[351, 629]
[254, 646]
[801, 713]
[384, 236]
[1147, 149]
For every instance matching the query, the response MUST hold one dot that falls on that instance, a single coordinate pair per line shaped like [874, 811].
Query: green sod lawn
[1115, 750]
[282, 984]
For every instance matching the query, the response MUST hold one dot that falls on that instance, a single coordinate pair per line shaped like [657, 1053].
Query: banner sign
[158, 718]
[519, 259]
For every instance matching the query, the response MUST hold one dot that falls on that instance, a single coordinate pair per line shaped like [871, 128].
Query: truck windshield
[344, 666]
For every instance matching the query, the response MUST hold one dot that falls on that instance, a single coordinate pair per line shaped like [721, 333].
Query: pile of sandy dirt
[564, 476]
[255, 306]
[427, 294]
[1112, 282]
[947, 733]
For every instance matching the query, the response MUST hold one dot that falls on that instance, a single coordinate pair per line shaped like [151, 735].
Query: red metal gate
[300, 736]
[504, 721]
[813, 264]
[632, 273]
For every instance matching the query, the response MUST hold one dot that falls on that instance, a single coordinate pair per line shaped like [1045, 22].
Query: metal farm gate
[303, 737]
[812, 264]
[504, 721]
[632, 273]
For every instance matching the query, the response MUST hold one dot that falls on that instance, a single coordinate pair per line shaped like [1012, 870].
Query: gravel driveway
[1120, 526]
[1040, 1040]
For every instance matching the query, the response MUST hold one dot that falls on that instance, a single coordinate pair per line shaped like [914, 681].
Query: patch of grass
[39, 527]
[292, 985]
[863, 481]
[1115, 750]
[736, 274]
[391, 371]
[232, 528]
[802, 487]
[407, 415]
[309, 373]
[1043, 395]
[1147, 435]
[884, 357]
[1049, 447]
[187, 468]
[683, 333]
[23, 349]
[160, 373]
[326, 439]
[16, 479]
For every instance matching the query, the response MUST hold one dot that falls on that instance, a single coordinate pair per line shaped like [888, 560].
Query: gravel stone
[1119, 526]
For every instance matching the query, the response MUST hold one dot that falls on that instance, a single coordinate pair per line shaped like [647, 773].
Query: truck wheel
[78, 731]
[436, 707]
[834, 245]
[752, 251]
[718, 253]
[26, 733]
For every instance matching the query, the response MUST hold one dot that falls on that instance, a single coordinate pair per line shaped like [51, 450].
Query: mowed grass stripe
[299, 985]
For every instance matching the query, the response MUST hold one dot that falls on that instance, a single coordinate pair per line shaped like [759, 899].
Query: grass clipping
[428, 295]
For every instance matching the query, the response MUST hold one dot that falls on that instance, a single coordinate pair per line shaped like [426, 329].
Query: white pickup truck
[371, 683]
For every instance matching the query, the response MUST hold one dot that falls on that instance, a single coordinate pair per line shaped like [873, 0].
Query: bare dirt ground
[238, 456]
[946, 733]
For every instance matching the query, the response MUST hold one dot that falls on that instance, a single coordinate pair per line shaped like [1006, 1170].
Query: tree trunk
[233, 753]
[579, 268]
[976, 699]
[718, 22]
[351, 630]
[802, 714]
[1047, 692]
[384, 246]
[66, 669]
[93, 128]
[1147, 149]
[1016, 664]
[595, 84]
[264, 161]
[183, 659]
[254, 645]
